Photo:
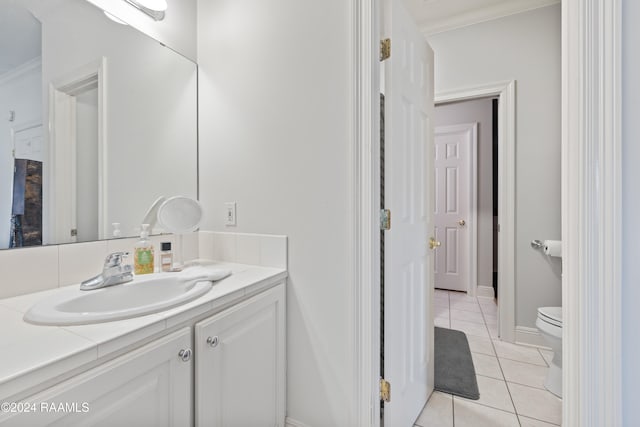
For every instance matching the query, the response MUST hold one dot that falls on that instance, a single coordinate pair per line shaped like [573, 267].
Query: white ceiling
[20, 36]
[433, 16]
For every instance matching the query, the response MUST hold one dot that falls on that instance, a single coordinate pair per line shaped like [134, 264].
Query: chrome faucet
[113, 273]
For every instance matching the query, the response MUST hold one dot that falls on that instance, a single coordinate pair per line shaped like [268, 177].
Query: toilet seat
[551, 315]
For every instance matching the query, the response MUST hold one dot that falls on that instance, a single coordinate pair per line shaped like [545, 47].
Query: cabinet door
[240, 377]
[151, 386]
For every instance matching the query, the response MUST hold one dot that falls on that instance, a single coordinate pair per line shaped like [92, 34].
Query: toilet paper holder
[537, 244]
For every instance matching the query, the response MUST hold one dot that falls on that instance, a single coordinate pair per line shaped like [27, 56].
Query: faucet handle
[115, 259]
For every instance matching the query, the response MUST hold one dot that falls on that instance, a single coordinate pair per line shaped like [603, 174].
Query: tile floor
[510, 377]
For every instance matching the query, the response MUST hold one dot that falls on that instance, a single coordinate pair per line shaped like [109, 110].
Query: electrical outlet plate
[230, 213]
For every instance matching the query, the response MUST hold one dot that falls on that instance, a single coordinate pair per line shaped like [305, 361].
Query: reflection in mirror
[99, 121]
[21, 145]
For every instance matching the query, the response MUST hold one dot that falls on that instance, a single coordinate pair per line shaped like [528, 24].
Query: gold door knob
[433, 243]
[462, 223]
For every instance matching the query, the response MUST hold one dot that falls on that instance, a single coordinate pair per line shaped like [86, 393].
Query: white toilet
[549, 322]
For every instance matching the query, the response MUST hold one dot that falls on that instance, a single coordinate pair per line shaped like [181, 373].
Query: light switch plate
[230, 213]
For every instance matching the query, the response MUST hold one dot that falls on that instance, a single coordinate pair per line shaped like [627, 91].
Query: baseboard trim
[530, 337]
[290, 422]
[484, 291]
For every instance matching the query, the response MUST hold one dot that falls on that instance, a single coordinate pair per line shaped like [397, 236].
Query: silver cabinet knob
[213, 341]
[185, 354]
[462, 223]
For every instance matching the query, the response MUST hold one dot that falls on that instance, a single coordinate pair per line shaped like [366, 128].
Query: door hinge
[385, 390]
[74, 232]
[385, 219]
[385, 49]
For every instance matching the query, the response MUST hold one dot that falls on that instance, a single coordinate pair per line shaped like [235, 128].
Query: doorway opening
[503, 240]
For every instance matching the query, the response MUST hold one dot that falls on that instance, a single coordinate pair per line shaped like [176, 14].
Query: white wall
[275, 109]
[526, 48]
[177, 30]
[478, 111]
[19, 92]
[630, 212]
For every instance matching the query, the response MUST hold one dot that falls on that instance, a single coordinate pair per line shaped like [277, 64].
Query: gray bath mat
[454, 371]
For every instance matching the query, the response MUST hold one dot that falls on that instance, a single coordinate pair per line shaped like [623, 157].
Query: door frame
[591, 46]
[472, 221]
[364, 230]
[592, 212]
[506, 93]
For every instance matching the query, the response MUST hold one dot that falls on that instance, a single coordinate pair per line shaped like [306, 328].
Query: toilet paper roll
[553, 248]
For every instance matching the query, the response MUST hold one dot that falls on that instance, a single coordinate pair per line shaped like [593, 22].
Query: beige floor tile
[438, 412]
[487, 301]
[547, 355]
[441, 293]
[469, 316]
[440, 311]
[465, 306]
[480, 345]
[490, 319]
[493, 393]
[470, 328]
[491, 309]
[518, 352]
[469, 414]
[530, 422]
[487, 366]
[524, 373]
[535, 403]
[441, 302]
[461, 297]
[442, 322]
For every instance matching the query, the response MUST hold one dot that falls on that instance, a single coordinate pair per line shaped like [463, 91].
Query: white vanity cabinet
[149, 386]
[240, 364]
[227, 370]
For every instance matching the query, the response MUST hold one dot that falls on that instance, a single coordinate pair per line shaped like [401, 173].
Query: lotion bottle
[143, 253]
[166, 257]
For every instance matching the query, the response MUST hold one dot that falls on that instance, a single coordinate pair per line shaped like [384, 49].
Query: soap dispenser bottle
[143, 254]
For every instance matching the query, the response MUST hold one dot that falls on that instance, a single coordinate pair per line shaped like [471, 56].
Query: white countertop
[31, 355]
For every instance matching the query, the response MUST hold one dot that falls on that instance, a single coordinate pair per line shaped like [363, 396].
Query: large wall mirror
[97, 121]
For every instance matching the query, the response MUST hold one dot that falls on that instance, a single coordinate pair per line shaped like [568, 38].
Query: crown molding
[476, 16]
[20, 70]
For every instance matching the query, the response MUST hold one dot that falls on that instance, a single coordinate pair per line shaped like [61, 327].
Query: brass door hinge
[385, 390]
[385, 49]
[385, 219]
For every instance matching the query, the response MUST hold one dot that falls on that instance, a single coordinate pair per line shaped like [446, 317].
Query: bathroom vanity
[218, 360]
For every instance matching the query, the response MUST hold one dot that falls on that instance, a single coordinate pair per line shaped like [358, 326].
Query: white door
[240, 364]
[453, 220]
[408, 324]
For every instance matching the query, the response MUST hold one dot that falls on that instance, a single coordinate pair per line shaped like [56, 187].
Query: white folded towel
[204, 273]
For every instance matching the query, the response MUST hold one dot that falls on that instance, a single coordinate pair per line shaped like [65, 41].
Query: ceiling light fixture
[154, 8]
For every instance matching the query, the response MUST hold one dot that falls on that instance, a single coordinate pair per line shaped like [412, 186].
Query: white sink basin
[144, 295]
